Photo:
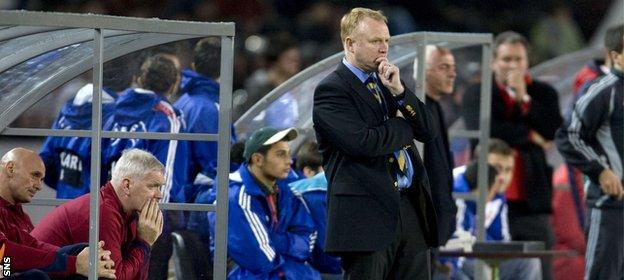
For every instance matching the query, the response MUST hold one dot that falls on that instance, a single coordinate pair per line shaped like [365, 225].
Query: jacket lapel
[360, 90]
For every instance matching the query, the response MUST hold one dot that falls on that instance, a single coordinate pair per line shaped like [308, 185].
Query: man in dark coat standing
[439, 81]
[525, 114]
[381, 218]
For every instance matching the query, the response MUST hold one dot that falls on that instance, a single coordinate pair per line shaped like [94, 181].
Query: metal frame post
[96, 127]
[484, 140]
[223, 155]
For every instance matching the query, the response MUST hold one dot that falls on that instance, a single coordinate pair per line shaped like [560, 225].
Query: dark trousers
[407, 257]
[33, 274]
[163, 247]
[534, 227]
[604, 257]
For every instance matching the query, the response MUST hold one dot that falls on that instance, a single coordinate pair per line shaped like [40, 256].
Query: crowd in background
[548, 24]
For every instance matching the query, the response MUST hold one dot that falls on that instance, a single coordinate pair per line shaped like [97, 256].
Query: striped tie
[372, 86]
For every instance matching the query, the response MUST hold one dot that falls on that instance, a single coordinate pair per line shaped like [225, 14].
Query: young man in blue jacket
[500, 159]
[313, 189]
[271, 234]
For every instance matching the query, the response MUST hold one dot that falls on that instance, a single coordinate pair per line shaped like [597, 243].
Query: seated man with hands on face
[21, 175]
[130, 220]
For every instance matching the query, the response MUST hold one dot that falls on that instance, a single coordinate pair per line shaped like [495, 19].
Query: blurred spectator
[313, 189]
[500, 160]
[283, 61]
[556, 34]
[68, 159]
[200, 104]
[520, 105]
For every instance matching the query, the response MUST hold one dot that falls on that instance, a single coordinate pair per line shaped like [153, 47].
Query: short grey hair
[135, 163]
[429, 49]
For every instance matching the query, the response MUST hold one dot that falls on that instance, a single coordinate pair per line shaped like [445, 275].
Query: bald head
[20, 155]
[21, 175]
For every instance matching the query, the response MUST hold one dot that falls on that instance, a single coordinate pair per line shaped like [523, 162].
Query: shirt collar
[359, 73]
[6, 204]
[108, 192]
[253, 185]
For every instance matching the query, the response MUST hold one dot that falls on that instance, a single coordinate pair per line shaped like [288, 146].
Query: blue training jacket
[68, 159]
[314, 192]
[200, 104]
[140, 110]
[260, 250]
[496, 222]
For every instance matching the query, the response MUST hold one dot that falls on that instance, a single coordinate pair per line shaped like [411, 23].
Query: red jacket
[69, 224]
[25, 251]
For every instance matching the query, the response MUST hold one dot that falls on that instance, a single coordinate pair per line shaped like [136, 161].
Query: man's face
[504, 165]
[26, 177]
[289, 62]
[276, 164]
[510, 57]
[369, 43]
[146, 188]
[440, 73]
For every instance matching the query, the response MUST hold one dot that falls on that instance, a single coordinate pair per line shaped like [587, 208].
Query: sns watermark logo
[5, 264]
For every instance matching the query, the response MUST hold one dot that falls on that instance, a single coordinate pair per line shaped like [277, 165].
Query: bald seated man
[21, 174]
[130, 220]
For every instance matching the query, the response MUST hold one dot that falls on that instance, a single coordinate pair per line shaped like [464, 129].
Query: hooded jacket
[140, 110]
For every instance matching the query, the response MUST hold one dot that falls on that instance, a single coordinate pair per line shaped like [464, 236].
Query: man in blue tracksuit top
[592, 140]
[146, 109]
[313, 189]
[200, 104]
[68, 159]
[501, 162]
[271, 234]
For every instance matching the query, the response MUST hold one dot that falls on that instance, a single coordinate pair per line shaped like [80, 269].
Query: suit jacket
[512, 126]
[439, 164]
[357, 145]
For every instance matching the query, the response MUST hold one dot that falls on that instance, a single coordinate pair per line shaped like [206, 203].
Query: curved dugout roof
[36, 60]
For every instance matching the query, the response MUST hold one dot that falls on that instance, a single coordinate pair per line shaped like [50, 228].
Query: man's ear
[308, 172]
[10, 168]
[256, 159]
[349, 44]
[125, 186]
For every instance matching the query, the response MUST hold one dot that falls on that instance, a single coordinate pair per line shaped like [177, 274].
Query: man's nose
[384, 48]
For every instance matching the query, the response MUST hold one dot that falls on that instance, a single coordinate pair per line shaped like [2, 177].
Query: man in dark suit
[440, 79]
[381, 219]
[525, 114]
